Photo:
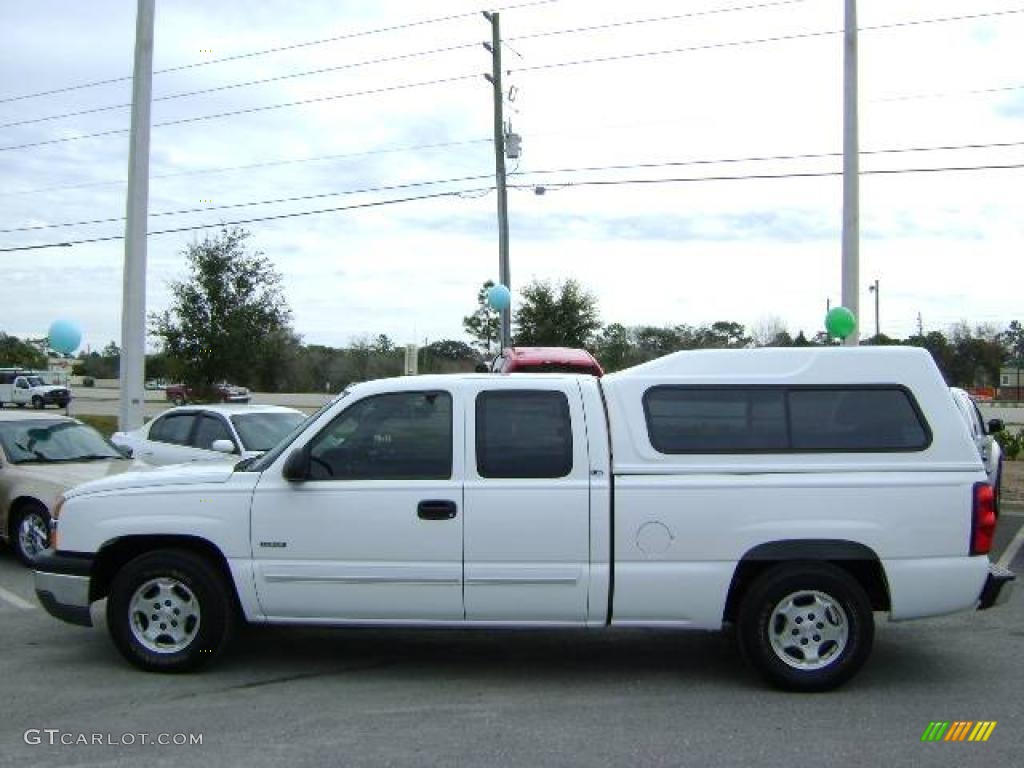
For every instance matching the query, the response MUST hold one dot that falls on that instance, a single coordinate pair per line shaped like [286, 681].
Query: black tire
[178, 400]
[37, 403]
[35, 515]
[806, 587]
[209, 593]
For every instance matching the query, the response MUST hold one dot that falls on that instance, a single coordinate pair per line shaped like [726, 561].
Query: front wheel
[170, 611]
[31, 528]
[806, 627]
[37, 403]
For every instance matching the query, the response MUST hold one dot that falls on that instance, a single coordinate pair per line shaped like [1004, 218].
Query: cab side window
[524, 434]
[173, 429]
[396, 436]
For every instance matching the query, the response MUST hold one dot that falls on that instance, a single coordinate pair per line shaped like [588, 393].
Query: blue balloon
[498, 297]
[65, 336]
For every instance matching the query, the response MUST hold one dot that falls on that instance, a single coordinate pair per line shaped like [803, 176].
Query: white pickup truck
[791, 492]
[23, 388]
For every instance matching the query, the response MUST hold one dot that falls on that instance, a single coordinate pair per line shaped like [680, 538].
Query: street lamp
[873, 288]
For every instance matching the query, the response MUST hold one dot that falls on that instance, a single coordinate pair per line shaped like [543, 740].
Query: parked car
[23, 388]
[982, 434]
[546, 360]
[209, 432]
[42, 455]
[793, 492]
[180, 394]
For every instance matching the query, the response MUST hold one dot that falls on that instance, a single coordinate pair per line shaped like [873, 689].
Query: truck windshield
[34, 381]
[41, 441]
[260, 463]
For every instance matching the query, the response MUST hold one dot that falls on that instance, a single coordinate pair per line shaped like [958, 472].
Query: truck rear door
[526, 501]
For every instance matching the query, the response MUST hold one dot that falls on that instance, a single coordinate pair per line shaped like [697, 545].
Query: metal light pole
[504, 276]
[851, 169]
[874, 288]
[133, 299]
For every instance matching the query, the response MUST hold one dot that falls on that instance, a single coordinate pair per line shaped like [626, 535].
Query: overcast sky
[947, 244]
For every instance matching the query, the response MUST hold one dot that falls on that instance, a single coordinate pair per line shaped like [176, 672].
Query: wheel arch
[859, 560]
[116, 553]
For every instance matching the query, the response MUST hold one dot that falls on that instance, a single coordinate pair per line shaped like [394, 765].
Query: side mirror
[125, 451]
[995, 425]
[296, 467]
[222, 446]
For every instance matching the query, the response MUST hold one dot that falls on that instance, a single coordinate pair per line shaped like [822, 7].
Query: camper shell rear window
[785, 419]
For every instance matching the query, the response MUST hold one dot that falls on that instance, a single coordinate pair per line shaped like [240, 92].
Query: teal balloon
[840, 322]
[499, 298]
[65, 336]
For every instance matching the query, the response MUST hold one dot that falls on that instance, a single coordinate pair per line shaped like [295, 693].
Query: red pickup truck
[546, 360]
[179, 394]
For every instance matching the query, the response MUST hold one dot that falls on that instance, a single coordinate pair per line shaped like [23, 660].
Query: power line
[943, 94]
[585, 183]
[275, 217]
[628, 166]
[278, 49]
[402, 57]
[551, 65]
[252, 166]
[295, 199]
[770, 176]
[229, 86]
[754, 41]
[253, 110]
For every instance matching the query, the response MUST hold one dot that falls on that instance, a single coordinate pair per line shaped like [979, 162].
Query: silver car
[41, 456]
[982, 433]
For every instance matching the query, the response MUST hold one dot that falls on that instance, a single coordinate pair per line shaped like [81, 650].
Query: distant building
[1011, 383]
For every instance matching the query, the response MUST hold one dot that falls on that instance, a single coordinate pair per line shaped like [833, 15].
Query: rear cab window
[777, 419]
[523, 434]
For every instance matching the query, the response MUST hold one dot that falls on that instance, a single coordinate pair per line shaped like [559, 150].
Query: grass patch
[105, 425]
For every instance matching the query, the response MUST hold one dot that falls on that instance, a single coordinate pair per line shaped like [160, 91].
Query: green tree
[229, 319]
[1013, 341]
[484, 324]
[15, 353]
[562, 316]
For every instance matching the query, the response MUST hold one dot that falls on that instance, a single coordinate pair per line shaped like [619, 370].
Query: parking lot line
[1012, 549]
[12, 599]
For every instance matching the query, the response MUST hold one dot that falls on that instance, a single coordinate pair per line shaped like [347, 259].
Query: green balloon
[840, 322]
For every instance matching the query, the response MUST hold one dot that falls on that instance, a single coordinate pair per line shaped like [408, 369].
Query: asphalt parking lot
[602, 698]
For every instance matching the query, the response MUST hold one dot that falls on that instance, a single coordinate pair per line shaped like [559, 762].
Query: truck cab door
[373, 533]
[22, 392]
[527, 502]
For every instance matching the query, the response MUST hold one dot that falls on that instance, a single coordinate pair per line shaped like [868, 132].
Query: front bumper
[997, 589]
[62, 586]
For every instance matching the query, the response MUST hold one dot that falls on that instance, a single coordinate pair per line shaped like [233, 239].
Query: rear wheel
[30, 532]
[170, 611]
[806, 626]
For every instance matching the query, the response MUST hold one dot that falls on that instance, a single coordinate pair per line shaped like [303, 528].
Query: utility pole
[504, 277]
[873, 288]
[133, 299]
[851, 170]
